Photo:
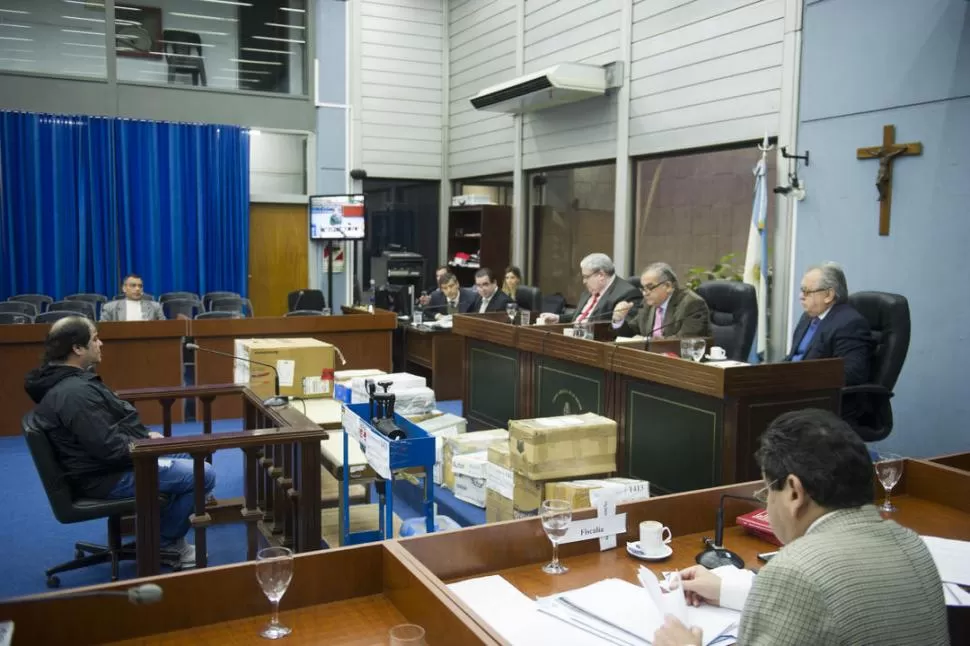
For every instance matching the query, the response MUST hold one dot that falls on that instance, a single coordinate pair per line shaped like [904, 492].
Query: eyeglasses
[586, 277]
[646, 289]
[761, 495]
[808, 292]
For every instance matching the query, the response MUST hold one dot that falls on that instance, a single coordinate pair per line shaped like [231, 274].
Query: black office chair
[304, 313]
[40, 301]
[19, 307]
[635, 281]
[241, 306]
[175, 307]
[145, 295]
[15, 318]
[889, 319]
[305, 299]
[184, 55]
[211, 296]
[76, 307]
[94, 299]
[733, 309]
[181, 296]
[529, 298]
[216, 315]
[554, 303]
[50, 317]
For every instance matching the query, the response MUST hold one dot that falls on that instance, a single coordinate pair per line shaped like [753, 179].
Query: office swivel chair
[305, 299]
[183, 55]
[82, 308]
[733, 308]
[40, 301]
[529, 298]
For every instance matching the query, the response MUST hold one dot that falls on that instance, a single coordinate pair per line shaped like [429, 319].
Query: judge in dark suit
[490, 298]
[450, 298]
[669, 309]
[604, 289]
[830, 327]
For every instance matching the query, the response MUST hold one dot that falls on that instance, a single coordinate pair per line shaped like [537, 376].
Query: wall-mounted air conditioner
[563, 83]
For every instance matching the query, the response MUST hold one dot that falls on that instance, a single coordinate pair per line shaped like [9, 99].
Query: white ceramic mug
[653, 537]
[718, 353]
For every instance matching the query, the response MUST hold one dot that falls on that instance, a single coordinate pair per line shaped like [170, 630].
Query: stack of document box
[443, 426]
[469, 443]
[577, 491]
[509, 495]
[412, 396]
[553, 448]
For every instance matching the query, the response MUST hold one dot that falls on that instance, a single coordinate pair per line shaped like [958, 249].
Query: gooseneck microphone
[715, 555]
[296, 303]
[139, 595]
[276, 400]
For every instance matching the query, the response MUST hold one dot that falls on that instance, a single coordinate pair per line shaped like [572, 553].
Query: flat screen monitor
[337, 217]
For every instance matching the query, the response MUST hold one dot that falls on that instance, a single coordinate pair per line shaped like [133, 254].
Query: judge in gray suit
[134, 307]
[669, 310]
[603, 290]
[845, 575]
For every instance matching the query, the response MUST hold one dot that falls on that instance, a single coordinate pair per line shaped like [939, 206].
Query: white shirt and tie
[484, 305]
[132, 310]
[593, 300]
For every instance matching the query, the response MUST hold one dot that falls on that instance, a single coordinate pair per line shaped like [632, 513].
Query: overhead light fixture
[17, 51]
[291, 9]
[280, 40]
[82, 31]
[20, 12]
[232, 2]
[248, 62]
[202, 16]
[181, 42]
[279, 24]
[76, 55]
[23, 40]
[12, 24]
[84, 18]
[268, 51]
[86, 3]
[200, 31]
[99, 46]
[18, 60]
[232, 69]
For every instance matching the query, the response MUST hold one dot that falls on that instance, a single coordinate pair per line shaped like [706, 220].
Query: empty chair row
[42, 302]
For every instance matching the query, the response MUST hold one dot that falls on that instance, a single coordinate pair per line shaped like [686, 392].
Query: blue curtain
[84, 201]
[56, 213]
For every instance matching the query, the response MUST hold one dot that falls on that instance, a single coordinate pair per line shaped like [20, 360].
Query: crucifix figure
[886, 154]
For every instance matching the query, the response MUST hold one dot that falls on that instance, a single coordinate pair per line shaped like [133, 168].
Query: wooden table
[440, 352]
[956, 460]
[147, 354]
[681, 425]
[352, 595]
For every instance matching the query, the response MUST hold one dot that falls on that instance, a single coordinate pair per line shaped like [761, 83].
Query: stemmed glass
[274, 571]
[511, 309]
[889, 469]
[697, 348]
[556, 516]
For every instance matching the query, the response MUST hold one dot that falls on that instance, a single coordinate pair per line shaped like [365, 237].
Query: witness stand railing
[281, 475]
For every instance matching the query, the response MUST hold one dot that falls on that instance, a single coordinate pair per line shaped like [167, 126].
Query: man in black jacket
[92, 430]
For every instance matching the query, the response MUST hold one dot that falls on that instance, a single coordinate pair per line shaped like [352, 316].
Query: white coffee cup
[717, 353]
[654, 536]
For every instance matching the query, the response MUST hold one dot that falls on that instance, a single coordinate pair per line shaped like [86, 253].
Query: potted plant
[724, 269]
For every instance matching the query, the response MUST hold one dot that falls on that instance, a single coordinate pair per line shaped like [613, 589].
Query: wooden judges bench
[149, 354]
[681, 425]
[354, 595]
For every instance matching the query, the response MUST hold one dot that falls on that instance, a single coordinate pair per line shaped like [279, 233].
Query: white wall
[400, 44]
[481, 37]
[277, 164]
[705, 72]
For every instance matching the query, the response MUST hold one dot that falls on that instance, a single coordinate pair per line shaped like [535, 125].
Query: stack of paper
[952, 560]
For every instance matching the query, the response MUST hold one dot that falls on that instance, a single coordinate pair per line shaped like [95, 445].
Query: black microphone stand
[715, 555]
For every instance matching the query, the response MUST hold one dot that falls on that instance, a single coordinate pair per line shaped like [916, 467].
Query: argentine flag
[756, 255]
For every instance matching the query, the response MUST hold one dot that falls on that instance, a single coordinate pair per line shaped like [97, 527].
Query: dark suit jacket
[619, 291]
[439, 304]
[499, 300]
[842, 333]
[686, 315]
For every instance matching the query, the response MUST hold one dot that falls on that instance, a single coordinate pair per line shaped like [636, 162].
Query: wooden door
[277, 255]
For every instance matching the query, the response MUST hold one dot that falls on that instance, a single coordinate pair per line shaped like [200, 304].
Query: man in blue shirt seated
[830, 327]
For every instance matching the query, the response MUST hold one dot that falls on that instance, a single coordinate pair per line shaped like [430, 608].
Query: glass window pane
[257, 45]
[53, 37]
[572, 217]
[692, 210]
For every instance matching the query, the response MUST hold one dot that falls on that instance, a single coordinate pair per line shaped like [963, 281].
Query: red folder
[756, 522]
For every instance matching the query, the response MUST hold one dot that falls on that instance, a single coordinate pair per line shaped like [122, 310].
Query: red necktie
[589, 307]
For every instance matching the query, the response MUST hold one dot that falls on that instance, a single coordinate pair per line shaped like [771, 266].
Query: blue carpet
[33, 539]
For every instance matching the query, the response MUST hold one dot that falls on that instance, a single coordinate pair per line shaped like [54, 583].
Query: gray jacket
[118, 310]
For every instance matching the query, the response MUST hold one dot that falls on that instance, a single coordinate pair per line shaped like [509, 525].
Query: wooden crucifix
[886, 153]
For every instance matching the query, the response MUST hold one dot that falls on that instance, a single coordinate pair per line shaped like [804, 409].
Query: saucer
[633, 549]
[711, 358]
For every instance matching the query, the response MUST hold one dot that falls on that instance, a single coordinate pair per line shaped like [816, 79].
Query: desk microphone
[273, 401]
[139, 595]
[715, 555]
[296, 303]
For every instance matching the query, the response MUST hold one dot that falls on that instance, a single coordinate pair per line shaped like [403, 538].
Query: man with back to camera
[490, 298]
[91, 431]
[603, 290]
[845, 574]
[669, 309]
[134, 306]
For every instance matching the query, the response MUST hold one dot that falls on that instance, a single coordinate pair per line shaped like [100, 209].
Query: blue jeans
[177, 482]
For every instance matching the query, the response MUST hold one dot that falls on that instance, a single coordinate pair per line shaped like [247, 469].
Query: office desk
[681, 425]
[956, 460]
[439, 351]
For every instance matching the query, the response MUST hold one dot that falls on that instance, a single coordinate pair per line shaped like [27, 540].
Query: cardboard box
[577, 492]
[342, 382]
[552, 448]
[469, 472]
[508, 495]
[399, 381]
[443, 426]
[469, 443]
[305, 366]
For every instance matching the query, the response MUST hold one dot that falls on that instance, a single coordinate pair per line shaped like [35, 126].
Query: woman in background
[513, 278]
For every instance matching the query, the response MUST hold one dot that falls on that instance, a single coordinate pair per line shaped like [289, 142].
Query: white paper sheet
[952, 558]
[286, 369]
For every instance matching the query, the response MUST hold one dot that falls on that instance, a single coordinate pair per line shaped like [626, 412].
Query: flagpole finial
[764, 147]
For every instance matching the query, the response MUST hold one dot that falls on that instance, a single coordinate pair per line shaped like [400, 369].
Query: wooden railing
[281, 483]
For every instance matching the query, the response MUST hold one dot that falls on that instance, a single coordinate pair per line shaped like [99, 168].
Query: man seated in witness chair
[450, 298]
[603, 290]
[846, 575]
[490, 298]
[669, 310]
[425, 298]
[133, 307]
[91, 431]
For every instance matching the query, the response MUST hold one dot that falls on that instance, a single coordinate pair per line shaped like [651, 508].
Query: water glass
[583, 330]
[525, 316]
[556, 516]
[407, 635]
[889, 469]
[511, 309]
[417, 318]
[274, 571]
